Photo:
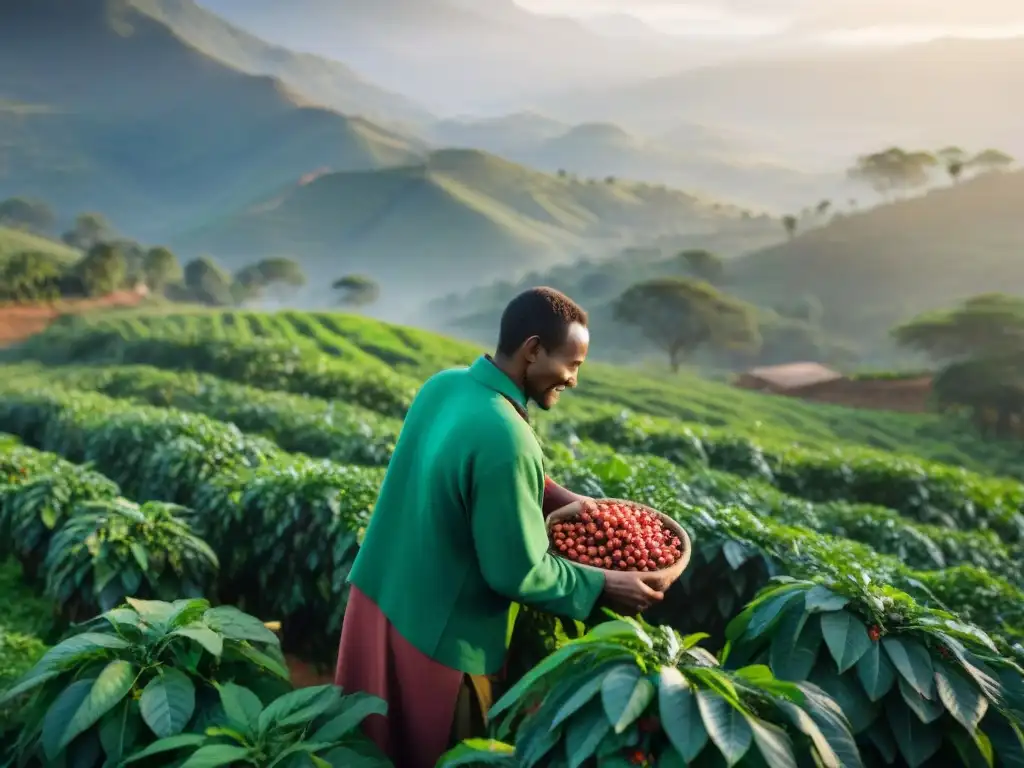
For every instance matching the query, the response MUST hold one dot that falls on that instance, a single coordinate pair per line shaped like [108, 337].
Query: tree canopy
[25, 213]
[357, 290]
[703, 265]
[208, 283]
[30, 277]
[160, 268]
[102, 270]
[89, 229]
[980, 347]
[681, 315]
[893, 170]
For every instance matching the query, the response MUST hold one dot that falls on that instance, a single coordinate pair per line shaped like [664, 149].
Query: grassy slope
[422, 228]
[874, 269]
[150, 129]
[327, 82]
[14, 241]
[685, 397]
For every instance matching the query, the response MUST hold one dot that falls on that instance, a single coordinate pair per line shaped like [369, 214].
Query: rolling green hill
[149, 129]
[874, 269]
[461, 218]
[408, 355]
[329, 83]
[14, 241]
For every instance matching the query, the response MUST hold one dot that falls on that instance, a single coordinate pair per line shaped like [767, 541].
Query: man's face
[548, 372]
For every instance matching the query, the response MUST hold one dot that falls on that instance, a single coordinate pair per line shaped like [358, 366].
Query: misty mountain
[325, 82]
[719, 164]
[826, 108]
[106, 108]
[461, 218]
[454, 55]
[874, 269]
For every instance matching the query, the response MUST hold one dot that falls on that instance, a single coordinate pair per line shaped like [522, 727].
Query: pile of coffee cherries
[616, 535]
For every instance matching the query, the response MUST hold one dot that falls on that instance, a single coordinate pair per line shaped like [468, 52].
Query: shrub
[913, 682]
[110, 550]
[630, 691]
[144, 671]
[319, 723]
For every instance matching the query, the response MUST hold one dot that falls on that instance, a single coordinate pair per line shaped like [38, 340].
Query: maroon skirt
[421, 694]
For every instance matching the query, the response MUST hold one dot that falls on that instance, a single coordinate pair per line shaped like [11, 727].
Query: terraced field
[865, 607]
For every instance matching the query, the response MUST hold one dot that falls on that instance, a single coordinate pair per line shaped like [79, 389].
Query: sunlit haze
[839, 21]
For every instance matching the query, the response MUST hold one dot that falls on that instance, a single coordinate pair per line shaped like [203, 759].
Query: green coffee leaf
[680, 717]
[112, 685]
[167, 702]
[912, 661]
[726, 726]
[625, 694]
[214, 756]
[845, 637]
[60, 714]
[774, 744]
[875, 672]
[958, 695]
[584, 733]
[916, 741]
[794, 647]
[357, 707]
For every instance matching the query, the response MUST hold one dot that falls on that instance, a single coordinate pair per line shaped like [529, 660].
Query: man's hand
[633, 592]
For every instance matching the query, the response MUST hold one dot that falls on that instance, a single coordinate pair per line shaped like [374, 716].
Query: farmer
[458, 536]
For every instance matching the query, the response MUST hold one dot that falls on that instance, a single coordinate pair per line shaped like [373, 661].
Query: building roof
[794, 375]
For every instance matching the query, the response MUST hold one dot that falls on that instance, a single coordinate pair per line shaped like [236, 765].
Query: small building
[818, 383]
[785, 379]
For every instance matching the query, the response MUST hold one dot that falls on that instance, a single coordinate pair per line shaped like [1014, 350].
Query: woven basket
[669, 574]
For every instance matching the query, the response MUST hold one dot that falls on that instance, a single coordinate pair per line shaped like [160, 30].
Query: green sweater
[458, 534]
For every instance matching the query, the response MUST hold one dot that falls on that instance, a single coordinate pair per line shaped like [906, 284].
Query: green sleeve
[512, 543]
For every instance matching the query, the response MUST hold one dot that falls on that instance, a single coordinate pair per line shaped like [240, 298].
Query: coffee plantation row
[158, 453]
[929, 492]
[915, 684]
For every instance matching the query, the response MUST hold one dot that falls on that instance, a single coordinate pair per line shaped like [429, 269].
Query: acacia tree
[680, 316]
[703, 264]
[357, 290]
[253, 281]
[30, 277]
[893, 170]
[160, 267]
[90, 229]
[207, 283]
[22, 212]
[102, 270]
[954, 158]
[980, 349]
[991, 160]
[790, 224]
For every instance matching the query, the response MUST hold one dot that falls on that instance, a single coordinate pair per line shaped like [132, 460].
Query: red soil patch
[305, 675]
[19, 321]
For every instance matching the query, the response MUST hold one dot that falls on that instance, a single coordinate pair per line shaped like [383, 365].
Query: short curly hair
[541, 312]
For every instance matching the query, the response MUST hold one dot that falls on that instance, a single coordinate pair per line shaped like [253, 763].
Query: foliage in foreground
[629, 693]
[162, 676]
[915, 684]
[110, 550]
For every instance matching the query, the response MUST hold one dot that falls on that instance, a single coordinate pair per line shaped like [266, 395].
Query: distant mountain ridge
[845, 100]
[106, 108]
[875, 269]
[454, 54]
[326, 82]
[690, 157]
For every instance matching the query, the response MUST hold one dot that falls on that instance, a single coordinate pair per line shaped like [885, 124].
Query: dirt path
[19, 321]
